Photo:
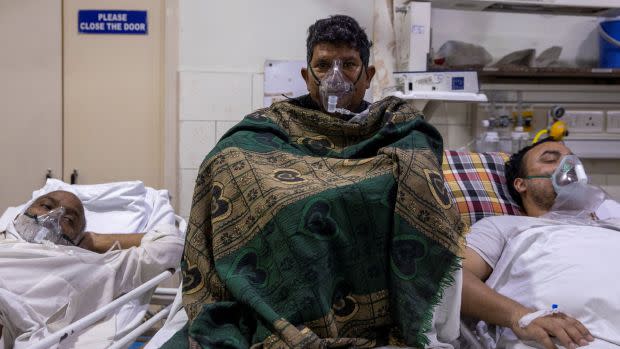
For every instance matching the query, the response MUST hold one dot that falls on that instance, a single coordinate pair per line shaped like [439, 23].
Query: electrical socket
[613, 121]
[584, 121]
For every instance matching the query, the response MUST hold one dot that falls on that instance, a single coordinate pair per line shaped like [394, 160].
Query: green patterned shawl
[309, 231]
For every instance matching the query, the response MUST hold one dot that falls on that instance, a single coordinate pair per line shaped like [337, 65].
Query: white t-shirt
[489, 236]
[539, 262]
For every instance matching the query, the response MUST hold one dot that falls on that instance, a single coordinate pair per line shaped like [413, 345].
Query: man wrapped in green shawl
[308, 230]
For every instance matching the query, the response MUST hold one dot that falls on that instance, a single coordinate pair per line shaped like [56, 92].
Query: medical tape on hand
[526, 320]
[115, 246]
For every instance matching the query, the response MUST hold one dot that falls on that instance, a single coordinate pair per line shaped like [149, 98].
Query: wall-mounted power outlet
[584, 121]
[613, 121]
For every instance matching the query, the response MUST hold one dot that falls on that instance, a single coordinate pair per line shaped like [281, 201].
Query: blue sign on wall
[112, 22]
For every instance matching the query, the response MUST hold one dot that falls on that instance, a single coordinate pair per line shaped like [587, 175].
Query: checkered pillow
[478, 184]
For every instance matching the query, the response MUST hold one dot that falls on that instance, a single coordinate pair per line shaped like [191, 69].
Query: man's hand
[89, 242]
[101, 243]
[570, 332]
[481, 302]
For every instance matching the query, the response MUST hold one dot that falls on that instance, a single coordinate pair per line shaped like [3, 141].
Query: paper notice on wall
[283, 80]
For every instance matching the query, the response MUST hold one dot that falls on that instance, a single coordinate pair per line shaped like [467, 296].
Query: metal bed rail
[77, 327]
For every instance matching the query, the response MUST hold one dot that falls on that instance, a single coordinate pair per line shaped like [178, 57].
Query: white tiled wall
[196, 136]
[605, 173]
[212, 96]
[186, 189]
[210, 104]
[453, 122]
[222, 127]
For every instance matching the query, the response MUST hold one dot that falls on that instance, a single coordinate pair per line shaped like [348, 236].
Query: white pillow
[117, 208]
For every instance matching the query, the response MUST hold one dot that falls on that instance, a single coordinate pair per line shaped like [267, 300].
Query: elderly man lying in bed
[50, 275]
[59, 215]
[562, 255]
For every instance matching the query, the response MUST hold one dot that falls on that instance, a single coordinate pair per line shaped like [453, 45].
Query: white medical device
[447, 86]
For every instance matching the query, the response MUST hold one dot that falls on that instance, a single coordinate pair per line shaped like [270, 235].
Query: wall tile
[196, 139]
[601, 166]
[222, 127]
[258, 88]
[214, 95]
[186, 190]
[613, 179]
[444, 131]
[458, 136]
[240, 35]
[451, 114]
[613, 191]
[598, 179]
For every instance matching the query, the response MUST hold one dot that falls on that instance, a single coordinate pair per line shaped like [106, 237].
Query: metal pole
[88, 320]
[169, 291]
[140, 329]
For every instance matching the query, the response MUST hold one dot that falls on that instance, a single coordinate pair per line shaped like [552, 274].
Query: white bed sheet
[565, 264]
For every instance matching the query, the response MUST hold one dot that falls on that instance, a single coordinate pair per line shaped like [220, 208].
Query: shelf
[589, 76]
[597, 8]
[443, 96]
[519, 75]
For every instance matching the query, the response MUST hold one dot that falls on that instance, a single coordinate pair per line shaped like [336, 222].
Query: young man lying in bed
[50, 276]
[561, 256]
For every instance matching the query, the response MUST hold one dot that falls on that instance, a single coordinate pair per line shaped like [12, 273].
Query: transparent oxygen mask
[576, 199]
[569, 171]
[45, 227]
[336, 91]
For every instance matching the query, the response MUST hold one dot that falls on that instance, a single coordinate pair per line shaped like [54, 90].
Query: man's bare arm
[101, 243]
[481, 302]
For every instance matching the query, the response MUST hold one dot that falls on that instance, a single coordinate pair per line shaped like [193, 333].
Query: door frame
[171, 101]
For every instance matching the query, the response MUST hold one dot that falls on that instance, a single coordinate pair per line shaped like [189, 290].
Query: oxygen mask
[569, 171]
[575, 197]
[45, 227]
[335, 89]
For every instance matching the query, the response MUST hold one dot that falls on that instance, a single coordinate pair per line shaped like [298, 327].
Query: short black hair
[338, 29]
[514, 168]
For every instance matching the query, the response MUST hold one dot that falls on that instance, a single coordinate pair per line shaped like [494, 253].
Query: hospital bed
[122, 207]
